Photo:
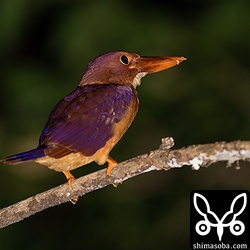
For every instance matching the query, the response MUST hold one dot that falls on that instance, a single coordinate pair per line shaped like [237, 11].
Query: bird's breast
[122, 119]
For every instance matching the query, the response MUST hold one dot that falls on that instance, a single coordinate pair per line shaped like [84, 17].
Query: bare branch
[163, 158]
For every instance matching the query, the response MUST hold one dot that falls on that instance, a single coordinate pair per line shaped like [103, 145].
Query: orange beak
[154, 64]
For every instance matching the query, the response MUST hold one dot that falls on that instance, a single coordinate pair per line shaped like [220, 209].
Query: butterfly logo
[203, 226]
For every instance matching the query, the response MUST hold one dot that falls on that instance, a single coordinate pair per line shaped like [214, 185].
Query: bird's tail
[24, 157]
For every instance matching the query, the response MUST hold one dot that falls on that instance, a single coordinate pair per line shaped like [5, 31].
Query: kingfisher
[86, 124]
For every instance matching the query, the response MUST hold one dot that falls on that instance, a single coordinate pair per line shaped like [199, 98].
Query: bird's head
[121, 67]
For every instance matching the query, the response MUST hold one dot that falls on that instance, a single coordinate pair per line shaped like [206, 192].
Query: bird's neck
[91, 79]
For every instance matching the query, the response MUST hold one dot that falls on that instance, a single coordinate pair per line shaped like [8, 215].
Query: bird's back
[86, 123]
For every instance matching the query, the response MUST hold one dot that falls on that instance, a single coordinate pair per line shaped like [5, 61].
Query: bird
[87, 123]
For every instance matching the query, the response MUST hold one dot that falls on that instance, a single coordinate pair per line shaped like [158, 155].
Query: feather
[84, 120]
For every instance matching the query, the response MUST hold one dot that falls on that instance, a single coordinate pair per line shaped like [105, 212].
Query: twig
[163, 158]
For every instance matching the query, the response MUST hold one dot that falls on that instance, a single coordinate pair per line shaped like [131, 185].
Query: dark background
[44, 49]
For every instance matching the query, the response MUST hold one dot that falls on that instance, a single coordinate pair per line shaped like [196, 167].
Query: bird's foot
[111, 164]
[70, 179]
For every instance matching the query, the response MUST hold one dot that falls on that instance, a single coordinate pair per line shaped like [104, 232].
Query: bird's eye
[124, 60]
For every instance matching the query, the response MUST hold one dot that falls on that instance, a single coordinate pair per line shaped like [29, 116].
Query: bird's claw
[111, 164]
[74, 200]
[70, 179]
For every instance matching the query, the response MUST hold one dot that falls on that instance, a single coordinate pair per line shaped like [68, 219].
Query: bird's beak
[149, 65]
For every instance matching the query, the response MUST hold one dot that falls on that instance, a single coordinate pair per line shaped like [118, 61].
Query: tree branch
[163, 158]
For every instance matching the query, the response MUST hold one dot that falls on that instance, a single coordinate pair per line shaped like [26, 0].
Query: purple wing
[83, 121]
